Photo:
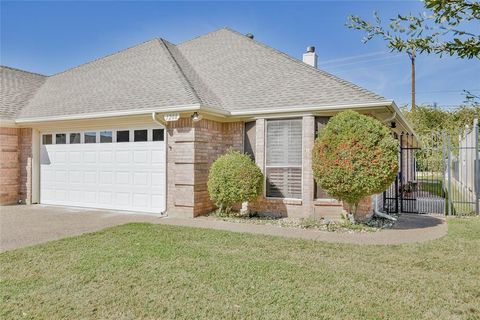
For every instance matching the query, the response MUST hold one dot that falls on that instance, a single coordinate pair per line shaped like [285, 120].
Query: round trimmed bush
[234, 178]
[354, 156]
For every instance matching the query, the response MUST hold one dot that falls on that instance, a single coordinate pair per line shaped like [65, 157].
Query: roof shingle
[221, 70]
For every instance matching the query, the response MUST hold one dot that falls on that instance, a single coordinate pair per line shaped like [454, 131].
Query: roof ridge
[329, 75]
[103, 57]
[25, 71]
[195, 93]
[194, 78]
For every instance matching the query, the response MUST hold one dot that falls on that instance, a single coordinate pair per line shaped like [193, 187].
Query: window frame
[265, 133]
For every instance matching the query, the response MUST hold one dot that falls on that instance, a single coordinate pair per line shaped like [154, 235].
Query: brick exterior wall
[15, 165]
[192, 148]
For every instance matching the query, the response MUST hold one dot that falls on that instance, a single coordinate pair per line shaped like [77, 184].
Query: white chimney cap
[310, 57]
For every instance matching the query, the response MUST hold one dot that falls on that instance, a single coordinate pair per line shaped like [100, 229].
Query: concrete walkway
[22, 226]
[409, 229]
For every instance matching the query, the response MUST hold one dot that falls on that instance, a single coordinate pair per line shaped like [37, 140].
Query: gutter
[310, 108]
[221, 113]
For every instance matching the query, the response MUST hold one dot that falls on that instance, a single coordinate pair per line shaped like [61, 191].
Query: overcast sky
[49, 37]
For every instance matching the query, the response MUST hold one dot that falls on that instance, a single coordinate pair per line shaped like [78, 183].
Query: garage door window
[158, 135]
[140, 135]
[105, 136]
[47, 139]
[60, 138]
[74, 138]
[90, 137]
[123, 136]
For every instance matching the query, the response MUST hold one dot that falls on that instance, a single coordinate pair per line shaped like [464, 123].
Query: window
[74, 138]
[60, 138]
[140, 135]
[158, 135]
[47, 139]
[105, 136]
[249, 139]
[123, 136]
[284, 158]
[90, 137]
[320, 123]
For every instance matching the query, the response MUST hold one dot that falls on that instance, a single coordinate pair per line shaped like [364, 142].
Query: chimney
[310, 57]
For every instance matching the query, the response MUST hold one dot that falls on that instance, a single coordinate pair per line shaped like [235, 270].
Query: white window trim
[265, 161]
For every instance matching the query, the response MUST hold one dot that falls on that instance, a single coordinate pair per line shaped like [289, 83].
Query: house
[138, 129]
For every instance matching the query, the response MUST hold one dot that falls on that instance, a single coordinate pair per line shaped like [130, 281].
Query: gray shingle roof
[17, 87]
[247, 74]
[221, 70]
[142, 77]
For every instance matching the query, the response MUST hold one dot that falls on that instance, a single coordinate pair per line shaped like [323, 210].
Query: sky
[50, 37]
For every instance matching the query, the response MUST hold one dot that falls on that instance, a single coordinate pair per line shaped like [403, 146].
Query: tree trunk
[353, 212]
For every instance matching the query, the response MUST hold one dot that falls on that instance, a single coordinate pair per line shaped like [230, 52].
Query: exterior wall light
[196, 117]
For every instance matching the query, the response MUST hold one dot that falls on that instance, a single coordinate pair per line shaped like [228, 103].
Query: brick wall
[15, 165]
[192, 148]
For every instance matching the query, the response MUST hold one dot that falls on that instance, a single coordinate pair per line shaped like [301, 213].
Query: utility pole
[412, 59]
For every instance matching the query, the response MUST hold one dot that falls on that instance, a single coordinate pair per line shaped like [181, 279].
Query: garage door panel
[89, 157]
[124, 176]
[106, 177]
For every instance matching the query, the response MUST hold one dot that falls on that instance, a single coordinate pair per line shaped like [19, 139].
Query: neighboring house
[96, 136]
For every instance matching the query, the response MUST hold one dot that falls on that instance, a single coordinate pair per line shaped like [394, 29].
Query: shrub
[234, 178]
[354, 156]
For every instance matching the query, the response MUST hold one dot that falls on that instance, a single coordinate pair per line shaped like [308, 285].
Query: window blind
[284, 158]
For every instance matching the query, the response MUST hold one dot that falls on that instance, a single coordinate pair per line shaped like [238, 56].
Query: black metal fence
[438, 174]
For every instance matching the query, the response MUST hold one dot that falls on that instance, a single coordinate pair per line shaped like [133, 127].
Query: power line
[355, 57]
[358, 62]
[444, 91]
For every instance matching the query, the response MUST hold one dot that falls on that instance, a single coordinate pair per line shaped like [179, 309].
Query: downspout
[160, 122]
[163, 124]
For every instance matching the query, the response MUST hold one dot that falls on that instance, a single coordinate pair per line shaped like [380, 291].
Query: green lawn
[143, 271]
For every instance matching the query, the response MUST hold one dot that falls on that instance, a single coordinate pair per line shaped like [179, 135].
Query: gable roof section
[249, 75]
[141, 77]
[17, 87]
[222, 70]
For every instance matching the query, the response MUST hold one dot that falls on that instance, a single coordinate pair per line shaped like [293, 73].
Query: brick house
[138, 130]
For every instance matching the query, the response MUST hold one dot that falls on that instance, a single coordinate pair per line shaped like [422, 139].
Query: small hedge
[354, 156]
[234, 178]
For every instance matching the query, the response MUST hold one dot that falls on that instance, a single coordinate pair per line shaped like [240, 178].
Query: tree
[354, 156]
[234, 178]
[444, 30]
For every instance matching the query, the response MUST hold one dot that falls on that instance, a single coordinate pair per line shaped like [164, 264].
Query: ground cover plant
[145, 271]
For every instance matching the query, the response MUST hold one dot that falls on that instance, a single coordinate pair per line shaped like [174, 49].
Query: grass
[144, 271]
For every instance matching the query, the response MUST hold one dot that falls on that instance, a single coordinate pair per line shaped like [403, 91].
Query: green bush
[354, 156]
[234, 178]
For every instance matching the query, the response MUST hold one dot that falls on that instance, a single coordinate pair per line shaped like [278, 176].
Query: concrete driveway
[22, 226]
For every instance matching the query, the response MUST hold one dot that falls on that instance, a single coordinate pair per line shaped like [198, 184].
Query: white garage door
[109, 169]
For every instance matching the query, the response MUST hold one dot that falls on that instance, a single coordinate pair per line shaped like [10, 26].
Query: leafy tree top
[450, 27]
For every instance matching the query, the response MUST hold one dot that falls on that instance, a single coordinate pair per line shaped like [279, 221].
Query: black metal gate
[419, 186]
[439, 174]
